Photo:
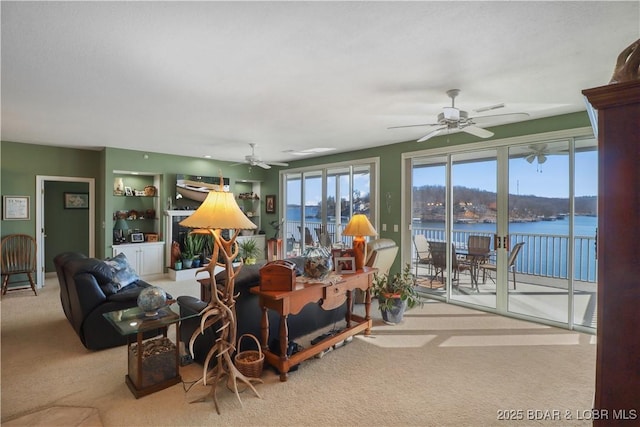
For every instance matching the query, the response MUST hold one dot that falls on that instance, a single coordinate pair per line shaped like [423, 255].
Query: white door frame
[40, 231]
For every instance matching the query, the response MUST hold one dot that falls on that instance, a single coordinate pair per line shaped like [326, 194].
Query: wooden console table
[330, 296]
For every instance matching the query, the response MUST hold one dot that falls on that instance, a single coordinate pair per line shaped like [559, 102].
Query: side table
[331, 296]
[154, 364]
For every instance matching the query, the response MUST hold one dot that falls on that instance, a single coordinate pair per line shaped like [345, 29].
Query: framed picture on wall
[76, 200]
[15, 207]
[270, 204]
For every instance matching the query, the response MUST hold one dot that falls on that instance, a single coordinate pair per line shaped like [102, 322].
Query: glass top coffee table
[153, 362]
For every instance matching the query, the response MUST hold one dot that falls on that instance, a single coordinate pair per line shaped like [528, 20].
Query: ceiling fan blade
[539, 148]
[508, 116]
[413, 126]
[431, 134]
[541, 159]
[278, 164]
[489, 108]
[530, 158]
[477, 131]
[237, 164]
[263, 165]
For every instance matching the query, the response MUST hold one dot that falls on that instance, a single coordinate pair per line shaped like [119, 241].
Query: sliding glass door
[530, 206]
[474, 216]
[539, 230]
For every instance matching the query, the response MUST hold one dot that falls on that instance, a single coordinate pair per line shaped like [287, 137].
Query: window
[321, 200]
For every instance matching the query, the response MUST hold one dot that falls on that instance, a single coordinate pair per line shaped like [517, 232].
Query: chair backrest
[421, 245]
[438, 254]
[381, 253]
[18, 253]
[308, 238]
[478, 245]
[513, 255]
[323, 237]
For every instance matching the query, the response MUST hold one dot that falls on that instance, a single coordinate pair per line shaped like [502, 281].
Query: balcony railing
[544, 255]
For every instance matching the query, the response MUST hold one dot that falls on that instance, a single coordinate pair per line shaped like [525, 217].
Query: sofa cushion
[123, 274]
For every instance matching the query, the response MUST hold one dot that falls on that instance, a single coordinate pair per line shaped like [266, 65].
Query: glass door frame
[502, 225]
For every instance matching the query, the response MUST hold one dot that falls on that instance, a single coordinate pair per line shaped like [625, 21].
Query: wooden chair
[18, 258]
[511, 265]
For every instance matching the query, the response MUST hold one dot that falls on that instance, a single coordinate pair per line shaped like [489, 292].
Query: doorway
[63, 219]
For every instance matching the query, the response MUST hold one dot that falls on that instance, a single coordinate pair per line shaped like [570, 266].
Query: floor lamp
[220, 211]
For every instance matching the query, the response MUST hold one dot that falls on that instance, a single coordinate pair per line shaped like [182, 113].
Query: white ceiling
[197, 78]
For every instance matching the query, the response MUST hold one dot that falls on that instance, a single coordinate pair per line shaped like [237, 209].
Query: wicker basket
[250, 362]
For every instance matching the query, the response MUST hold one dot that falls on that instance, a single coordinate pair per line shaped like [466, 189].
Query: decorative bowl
[317, 263]
[151, 299]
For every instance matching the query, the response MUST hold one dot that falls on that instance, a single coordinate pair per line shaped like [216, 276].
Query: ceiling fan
[541, 151]
[453, 118]
[538, 152]
[253, 160]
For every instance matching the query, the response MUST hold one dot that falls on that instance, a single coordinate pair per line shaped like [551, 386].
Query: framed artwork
[128, 191]
[76, 200]
[271, 203]
[15, 207]
[345, 265]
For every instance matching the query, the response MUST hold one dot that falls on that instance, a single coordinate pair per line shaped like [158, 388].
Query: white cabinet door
[131, 252]
[151, 260]
[145, 258]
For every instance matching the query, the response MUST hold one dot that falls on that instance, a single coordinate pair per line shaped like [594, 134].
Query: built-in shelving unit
[136, 200]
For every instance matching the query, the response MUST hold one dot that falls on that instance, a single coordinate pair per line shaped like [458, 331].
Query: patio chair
[439, 261]
[477, 252]
[324, 237]
[511, 265]
[18, 258]
[308, 237]
[423, 255]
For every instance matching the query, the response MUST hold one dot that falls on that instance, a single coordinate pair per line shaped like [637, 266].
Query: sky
[551, 179]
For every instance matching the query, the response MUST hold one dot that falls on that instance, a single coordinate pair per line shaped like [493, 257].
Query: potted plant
[395, 294]
[249, 251]
[193, 245]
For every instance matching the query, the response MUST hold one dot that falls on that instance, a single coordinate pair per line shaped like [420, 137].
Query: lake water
[584, 226]
[548, 259]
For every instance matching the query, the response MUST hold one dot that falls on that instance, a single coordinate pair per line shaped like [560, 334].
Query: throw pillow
[123, 274]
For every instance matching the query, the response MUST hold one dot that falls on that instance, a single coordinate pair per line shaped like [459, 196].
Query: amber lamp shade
[358, 227]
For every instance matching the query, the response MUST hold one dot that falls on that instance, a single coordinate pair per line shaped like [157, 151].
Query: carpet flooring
[443, 366]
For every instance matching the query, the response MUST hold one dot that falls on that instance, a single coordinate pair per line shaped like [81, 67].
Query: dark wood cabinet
[617, 387]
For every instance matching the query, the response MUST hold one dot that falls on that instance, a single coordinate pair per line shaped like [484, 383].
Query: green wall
[22, 162]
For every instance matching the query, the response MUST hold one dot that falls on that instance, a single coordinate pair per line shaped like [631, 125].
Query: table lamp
[359, 226]
[119, 230]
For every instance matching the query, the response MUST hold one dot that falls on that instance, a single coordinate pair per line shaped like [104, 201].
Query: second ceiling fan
[452, 118]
